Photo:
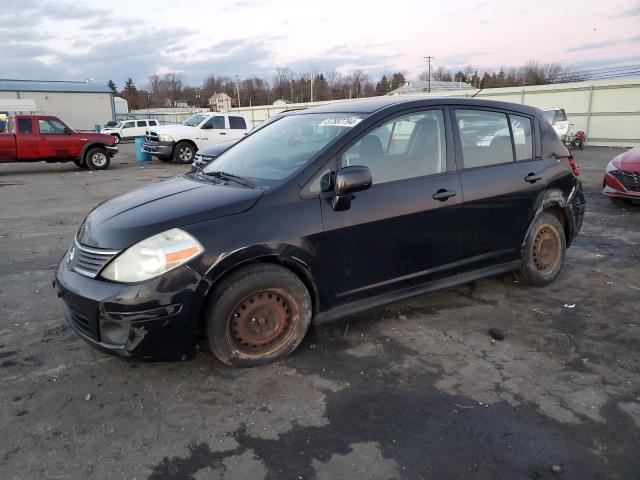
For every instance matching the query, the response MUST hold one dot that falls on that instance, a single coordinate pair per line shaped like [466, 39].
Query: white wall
[607, 110]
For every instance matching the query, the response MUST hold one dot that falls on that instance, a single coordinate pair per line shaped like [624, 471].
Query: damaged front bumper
[155, 320]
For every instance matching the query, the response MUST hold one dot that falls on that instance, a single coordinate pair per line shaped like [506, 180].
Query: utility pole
[311, 78]
[238, 90]
[428, 59]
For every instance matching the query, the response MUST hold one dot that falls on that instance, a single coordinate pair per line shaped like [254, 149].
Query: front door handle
[222, 133]
[444, 194]
[533, 178]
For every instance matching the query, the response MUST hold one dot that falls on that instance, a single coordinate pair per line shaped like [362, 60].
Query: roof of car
[372, 105]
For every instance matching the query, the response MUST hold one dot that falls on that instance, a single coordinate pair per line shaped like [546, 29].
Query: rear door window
[237, 123]
[141, 123]
[25, 125]
[153, 123]
[485, 138]
[522, 136]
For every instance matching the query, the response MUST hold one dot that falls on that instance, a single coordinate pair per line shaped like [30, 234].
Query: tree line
[171, 89]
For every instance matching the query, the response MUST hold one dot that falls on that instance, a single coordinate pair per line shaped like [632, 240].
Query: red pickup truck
[34, 138]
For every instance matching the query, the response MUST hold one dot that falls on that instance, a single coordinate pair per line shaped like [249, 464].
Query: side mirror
[350, 180]
[207, 126]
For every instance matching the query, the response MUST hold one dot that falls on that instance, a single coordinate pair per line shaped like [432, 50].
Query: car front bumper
[613, 187]
[158, 148]
[112, 151]
[155, 320]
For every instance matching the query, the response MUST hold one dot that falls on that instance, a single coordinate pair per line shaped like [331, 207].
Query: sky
[116, 39]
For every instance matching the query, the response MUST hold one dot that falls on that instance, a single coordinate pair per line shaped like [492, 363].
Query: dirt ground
[414, 390]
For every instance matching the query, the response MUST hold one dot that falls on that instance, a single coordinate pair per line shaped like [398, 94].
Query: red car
[622, 177]
[33, 138]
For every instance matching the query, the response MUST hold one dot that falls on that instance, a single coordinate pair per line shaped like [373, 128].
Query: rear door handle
[444, 194]
[533, 178]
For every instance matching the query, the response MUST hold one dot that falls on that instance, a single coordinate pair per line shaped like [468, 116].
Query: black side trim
[373, 302]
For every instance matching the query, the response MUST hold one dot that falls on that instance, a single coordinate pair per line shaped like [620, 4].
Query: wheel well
[295, 267]
[88, 148]
[191, 142]
[557, 212]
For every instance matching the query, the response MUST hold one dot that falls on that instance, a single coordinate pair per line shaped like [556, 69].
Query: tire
[97, 159]
[184, 152]
[544, 251]
[116, 137]
[259, 314]
[164, 158]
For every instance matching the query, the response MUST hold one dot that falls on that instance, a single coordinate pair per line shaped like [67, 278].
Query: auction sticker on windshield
[340, 122]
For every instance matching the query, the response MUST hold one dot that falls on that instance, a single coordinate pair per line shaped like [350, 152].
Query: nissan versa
[322, 213]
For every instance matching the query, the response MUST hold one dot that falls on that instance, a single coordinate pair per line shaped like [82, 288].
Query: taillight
[574, 166]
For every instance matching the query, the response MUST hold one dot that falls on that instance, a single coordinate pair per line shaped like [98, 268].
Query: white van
[128, 129]
[558, 120]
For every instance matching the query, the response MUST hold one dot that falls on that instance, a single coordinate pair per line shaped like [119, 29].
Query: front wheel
[116, 138]
[97, 159]
[184, 152]
[544, 251]
[259, 314]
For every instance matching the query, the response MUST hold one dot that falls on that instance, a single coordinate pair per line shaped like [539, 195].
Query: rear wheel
[544, 251]
[257, 315]
[97, 159]
[184, 152]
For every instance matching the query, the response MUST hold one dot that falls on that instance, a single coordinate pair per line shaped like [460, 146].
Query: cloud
[633, 11]
[593, 45]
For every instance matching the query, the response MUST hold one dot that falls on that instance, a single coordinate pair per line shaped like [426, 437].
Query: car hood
[172, 129]
[218, 148]
[122, 221]
[629, 160]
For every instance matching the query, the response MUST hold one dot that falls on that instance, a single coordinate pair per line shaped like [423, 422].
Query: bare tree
[172, 85]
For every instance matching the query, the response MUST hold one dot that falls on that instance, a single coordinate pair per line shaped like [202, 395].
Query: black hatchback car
[321, 214]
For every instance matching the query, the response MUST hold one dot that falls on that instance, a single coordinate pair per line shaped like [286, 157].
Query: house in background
[220, 102]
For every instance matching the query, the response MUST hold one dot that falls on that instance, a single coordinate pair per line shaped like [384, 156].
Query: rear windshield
[276, 151]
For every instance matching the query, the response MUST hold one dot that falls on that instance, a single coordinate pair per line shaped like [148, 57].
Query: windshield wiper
[230, 176]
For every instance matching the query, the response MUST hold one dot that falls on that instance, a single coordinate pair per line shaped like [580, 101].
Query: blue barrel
[97, 127]
[140, 155]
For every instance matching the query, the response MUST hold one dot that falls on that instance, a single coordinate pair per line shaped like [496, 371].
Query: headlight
[611, 167]
[165, 138]
[152, 257]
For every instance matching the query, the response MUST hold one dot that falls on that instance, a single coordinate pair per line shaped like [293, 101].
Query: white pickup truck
[181, 142]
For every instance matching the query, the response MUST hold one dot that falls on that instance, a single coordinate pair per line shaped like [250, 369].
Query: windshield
[194, 120]
[279, 149]
[118, 125]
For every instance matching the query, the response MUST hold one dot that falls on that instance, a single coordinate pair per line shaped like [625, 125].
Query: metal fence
[165, 116]
[607, 110]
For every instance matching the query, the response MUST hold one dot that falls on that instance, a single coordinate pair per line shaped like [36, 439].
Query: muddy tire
[97, 159]
[544, 251]
[259, 314]
[184, 152]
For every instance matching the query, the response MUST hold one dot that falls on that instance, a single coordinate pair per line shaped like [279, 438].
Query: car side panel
[8, 148]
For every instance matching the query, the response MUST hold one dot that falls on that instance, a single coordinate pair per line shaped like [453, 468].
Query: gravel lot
[413, 390]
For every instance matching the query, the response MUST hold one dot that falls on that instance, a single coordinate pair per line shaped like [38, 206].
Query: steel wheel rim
[99, 159]
[260, 323]
[117, 139]
[185, 153]
[546, 249]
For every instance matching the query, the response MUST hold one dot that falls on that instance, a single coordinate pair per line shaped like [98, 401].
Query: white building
[81, 105]
[220, 102]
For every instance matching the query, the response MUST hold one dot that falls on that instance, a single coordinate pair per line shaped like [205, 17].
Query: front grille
[82, 323]
[89, 261]
[152, 136]
[630, 180]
